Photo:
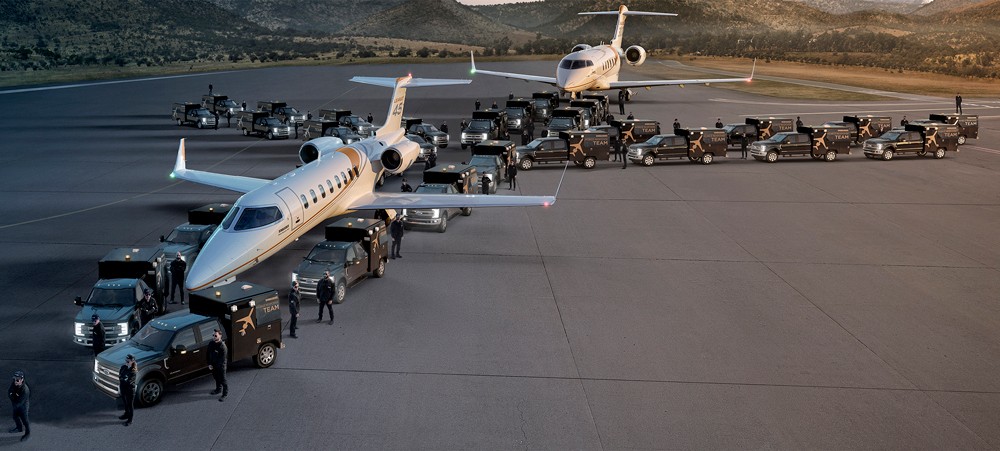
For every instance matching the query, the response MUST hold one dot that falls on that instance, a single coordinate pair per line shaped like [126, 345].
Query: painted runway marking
[854, 104]
[112, 82]
[981, 149]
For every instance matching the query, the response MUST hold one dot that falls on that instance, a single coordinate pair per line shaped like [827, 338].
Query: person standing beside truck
[718, 123]
[293, 308]
[744, 143]
[177, 269]
[18, 393]
[324, 293]
[370, 118]
[798, 122]
[958, 104]
[485, 182]
[127, 378]
[405, 187]
[98, 336]
[396, 232]
[621, 102]
[511, 176]
[217, 355]
[478, 104]
[147, 307]
[903, 121]
[531, 130]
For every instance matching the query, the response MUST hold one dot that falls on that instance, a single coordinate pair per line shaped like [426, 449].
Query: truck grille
[111, 336]
[440, 140]
[106, 379]
[307, 286]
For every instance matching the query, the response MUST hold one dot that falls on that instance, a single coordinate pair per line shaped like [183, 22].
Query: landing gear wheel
[444, 224]
[589, 162]
[380, 269]
[939, 153]
[707, 158]
[150, 392]
[340, 292]
[831, 155]
[647, 160]
[772, 156]
[887, 155]
[467, 211]
[265, 355]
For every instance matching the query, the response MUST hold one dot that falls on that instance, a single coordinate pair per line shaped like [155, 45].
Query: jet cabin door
[294, 206]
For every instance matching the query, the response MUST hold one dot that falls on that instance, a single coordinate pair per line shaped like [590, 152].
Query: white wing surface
[526, 77]
[231, 182]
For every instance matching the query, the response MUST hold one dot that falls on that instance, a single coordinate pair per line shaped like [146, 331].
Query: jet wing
[526, 77]
[694, 81]
[231, 182]
[385, 201]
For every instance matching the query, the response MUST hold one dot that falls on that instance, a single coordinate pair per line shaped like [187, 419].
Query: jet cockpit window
[230, 218]
[575, 64]
[253, 218]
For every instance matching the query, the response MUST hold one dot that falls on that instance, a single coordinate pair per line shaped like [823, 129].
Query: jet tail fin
[394, 117]
[623, 11]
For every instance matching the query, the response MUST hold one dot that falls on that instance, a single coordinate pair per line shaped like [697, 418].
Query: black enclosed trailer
[250, 314]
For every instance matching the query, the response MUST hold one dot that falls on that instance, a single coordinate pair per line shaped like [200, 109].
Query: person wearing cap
[293, 308]
[147, 307]
[98, 335]
[127, 378]
[177, 268]
[405, 187]
[18, 394]
[216, 356]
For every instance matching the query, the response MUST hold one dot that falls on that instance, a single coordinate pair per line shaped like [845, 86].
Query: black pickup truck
[353, 249]
[565, 119]
[172, 348]
[696, 144]
[262, 124]
[921, 139]
[820, 143]
[583, 148]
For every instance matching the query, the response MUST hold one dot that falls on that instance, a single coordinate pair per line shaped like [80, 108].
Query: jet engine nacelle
[399, 157]
[318, 147]
[635, 55]
[579, 47]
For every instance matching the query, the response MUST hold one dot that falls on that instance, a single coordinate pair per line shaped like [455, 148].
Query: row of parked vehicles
[170, 347]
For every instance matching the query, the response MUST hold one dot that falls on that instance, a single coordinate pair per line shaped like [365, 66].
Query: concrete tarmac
[795, 305]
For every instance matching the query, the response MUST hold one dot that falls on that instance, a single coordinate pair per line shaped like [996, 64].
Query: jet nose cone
[562, 77]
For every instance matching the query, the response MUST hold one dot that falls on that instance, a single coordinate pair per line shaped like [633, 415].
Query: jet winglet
[180, 166]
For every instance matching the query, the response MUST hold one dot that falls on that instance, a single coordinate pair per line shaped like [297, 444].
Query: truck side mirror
[162, 238]
[180, 349]
[78, 301]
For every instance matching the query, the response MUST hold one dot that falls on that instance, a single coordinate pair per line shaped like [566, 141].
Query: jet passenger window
[313, 194]
[253, 218]
[330, 185]
[322, 192]
[338, 180]
[305, 203]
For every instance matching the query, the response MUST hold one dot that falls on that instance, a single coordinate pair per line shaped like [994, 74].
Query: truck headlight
[464, 135]
[295, 277]
[436, 213]
[123, 328]
[95, 366]
[404, 212]
[78, 329]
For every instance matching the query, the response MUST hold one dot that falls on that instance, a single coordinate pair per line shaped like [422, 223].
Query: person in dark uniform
[405, 187]
[396, 232]
[524, 135]
[511, 176]
[621, 102]
[244, 105]
[19, 395]
[478, 104]
[462, 125]
[798, 122]
[433, 159]
[97, 335]
[293, 308]
[744, 143]
[677, 124]
[494, 105]
[903, 121]
[370, 118]
[127, 378]
[216, 114]
[531, 130]
[209, 89]
[147, 307]
[485, 184]
[623, 150]
[177, 269]
[718, 123]
[444, 127]
[217, 357]
[630, 116]
[510, 96]
[324, 293]
[958, 103]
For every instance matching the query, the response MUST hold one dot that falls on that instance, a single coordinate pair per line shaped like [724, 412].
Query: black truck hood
[115, 356]
[108, 313]
[314, 270]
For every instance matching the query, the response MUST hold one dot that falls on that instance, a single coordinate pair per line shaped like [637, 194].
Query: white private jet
[334, 179]
[596, 68]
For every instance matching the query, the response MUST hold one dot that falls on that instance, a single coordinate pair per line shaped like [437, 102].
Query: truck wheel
[887, 155]
[589, 162]
[707, 158]
[270, 135]
[380, 269]
[961, 139]
[150, 392]
[178, 122]
[467, 211]
[647, 160]
[772, 156]
[265, 355]
[525, 164]
[831, 155]
[444, 224]
[340, 292]
[464, 146]
[246, 132]
[939, 153]
[200, 125]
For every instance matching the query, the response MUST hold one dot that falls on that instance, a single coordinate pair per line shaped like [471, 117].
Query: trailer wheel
[887, 155]
[444, 223]
[150, 391]
[961, 139]
[647, 160]
[589, 162]
[340, 292]
[525, 164]
[772, 156]
[707, 158]
[939, 153]
[265, 355]
[380, 269]
[831, 155]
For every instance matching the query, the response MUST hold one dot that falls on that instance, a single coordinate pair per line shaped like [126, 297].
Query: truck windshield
[515, 113]
[779, 137]
[118, 296]
[228, 103]
[202, 112]
[729, 128]
[432, 189]
[428, 129]
[891, 136]
[290, 110]
[253, 218]
[152, 338]
[483, 162]
[562, 122]
[415, 138]
[272, 122]
[534, 144]
[327, 254]
[656, 140]
[184, 236]
[480, 124]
